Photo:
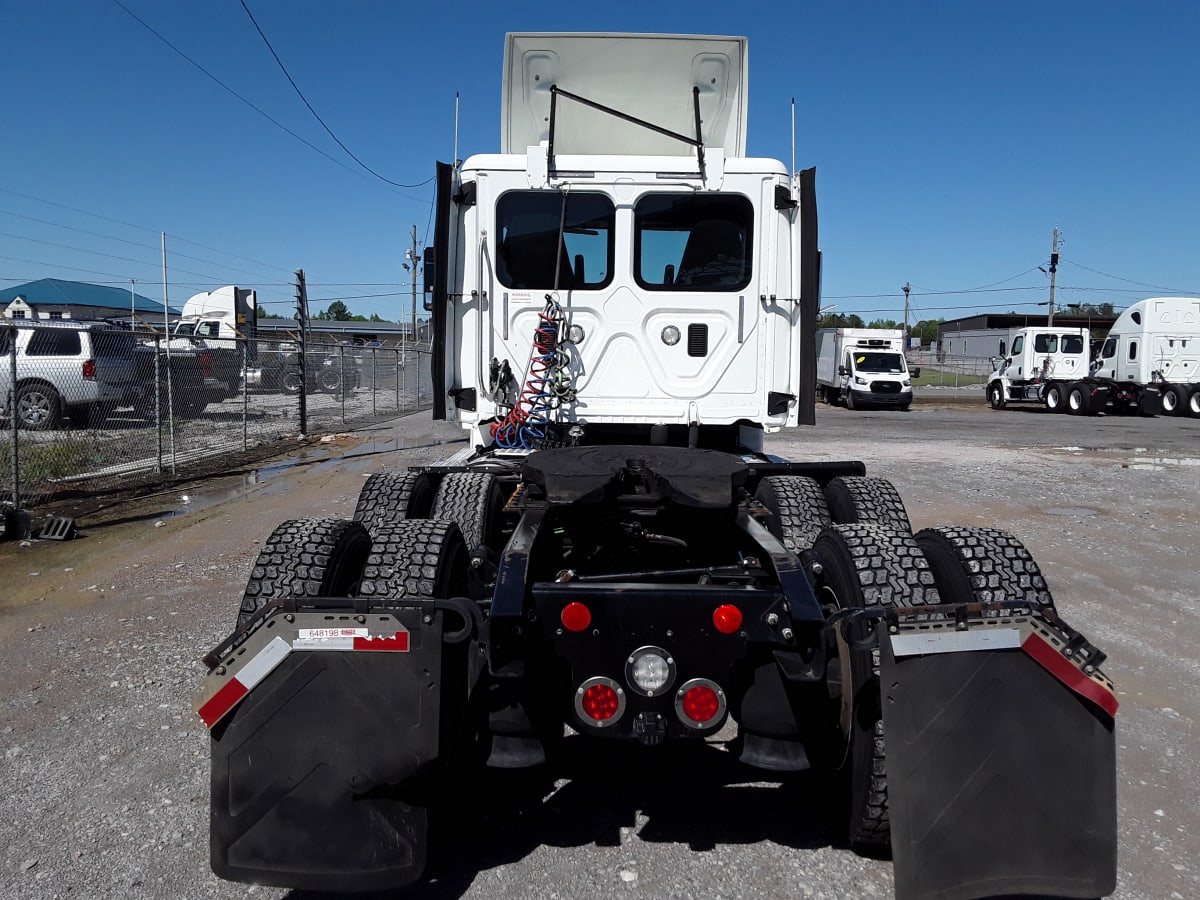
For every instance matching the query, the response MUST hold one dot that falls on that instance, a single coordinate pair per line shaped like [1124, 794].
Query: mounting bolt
[786, 634]
[817, 568]
[476, 562]
[428, 619]
[220, 670]
[361, 620]
[772, 619]
[289, 618]
[670, 633]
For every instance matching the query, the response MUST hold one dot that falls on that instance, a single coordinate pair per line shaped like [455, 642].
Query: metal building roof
[56, 292]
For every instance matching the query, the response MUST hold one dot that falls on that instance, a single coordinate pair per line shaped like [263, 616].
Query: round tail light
[700, 703]
[575, 616]
[600, 701]
[727, 619]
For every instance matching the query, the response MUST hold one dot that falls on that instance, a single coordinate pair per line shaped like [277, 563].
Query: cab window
[1072, 343]
[1018, 344]
[1110, 349]
[529, 252]
[690, 242]
[1045, 343]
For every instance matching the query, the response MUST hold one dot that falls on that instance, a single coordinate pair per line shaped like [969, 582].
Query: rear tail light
[600, 701]
[727, 619]
[206, 365]
[89, 368]
[576, 616]
[700, 703]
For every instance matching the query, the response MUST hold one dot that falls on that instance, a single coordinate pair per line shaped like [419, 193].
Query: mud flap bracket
[1001, 770]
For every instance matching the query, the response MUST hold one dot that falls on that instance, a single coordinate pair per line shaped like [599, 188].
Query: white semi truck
[221, 326]
[863, 367]
[1148, 363]
[623, 305]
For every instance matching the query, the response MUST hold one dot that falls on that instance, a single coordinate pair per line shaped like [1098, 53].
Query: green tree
[337, 311]
[839, 320]
[883, 323]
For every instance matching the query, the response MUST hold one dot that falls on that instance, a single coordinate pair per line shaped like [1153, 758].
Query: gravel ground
[106, 768]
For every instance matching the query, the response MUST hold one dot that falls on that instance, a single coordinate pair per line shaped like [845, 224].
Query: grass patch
[931, 376]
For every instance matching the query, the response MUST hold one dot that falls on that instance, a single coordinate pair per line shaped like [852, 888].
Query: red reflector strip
[395, 643]
[259, 667]
[1053, 662]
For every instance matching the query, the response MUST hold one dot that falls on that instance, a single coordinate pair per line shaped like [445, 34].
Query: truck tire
[1055, 397]
[798, 509]
[850, 399]
[1079, 399]
[391, 497]
[415, 559]
[860, 499]
[472, 500]
[306, 558]
[996, 397]
[1193, 405]
[1175, 400]
[329, 380]
[292, 383]
[39, 408]
[983, 565]
[867, 567]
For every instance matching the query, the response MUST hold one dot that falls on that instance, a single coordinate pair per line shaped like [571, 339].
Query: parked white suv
[82, 371]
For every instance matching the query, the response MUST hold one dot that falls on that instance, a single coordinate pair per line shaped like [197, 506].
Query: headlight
[650, 671]
[906, 382]
[858, 379]
[670, 335]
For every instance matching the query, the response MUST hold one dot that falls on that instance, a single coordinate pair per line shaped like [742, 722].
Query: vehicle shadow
[696, 795]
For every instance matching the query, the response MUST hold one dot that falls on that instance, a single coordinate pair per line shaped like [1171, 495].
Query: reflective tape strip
[921, 642]
[1069, 674]
[259, 667]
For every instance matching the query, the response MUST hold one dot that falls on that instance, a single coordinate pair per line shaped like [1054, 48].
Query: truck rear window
[528, 246]
[1072, 343]
[690, 242]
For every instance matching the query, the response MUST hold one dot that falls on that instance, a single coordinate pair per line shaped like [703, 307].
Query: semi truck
[863, 367]
[221, 326]
[623, 309]
[1148, 363]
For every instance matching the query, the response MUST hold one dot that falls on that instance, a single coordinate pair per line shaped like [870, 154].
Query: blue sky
[949, 140]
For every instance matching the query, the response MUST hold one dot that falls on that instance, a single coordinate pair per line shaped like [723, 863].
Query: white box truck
[863, 367]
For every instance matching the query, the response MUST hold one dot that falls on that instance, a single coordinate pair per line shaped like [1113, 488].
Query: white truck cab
[620, 268]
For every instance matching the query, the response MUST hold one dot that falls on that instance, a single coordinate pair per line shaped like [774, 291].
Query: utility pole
[907, 287]
[412, 266]
[1053, 269]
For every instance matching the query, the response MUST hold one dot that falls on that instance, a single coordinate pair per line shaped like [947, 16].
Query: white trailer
[863, 367]
[1149, 363]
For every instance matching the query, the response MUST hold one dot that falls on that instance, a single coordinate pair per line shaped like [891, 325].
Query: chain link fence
[952, 370]
[90, 408]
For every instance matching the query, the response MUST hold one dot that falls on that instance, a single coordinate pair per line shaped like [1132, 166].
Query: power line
[1155, 287]
[328, 130]
[266, 116]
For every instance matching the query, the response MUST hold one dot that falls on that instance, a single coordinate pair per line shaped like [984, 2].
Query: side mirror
[842, 370]
[916, 373]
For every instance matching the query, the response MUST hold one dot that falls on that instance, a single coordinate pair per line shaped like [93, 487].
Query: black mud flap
[323, 732]
[1001, 770]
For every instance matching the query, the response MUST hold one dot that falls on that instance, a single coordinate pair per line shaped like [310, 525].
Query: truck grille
[885, 387]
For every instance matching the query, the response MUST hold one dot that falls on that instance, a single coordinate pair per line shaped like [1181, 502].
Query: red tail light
[89, 368]
[576, 616]
[700, 703]
[727, 619]
[206, 365]
[600, 701]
